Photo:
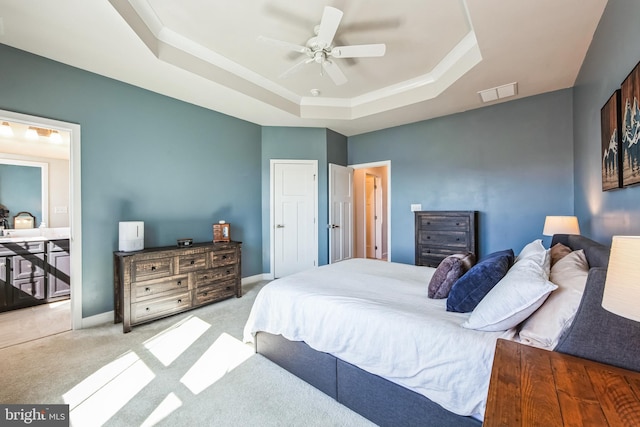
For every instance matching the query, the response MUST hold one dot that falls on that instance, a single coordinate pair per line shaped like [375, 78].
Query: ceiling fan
[320, 49]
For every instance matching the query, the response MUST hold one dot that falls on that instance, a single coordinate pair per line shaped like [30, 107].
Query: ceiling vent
[499, 92]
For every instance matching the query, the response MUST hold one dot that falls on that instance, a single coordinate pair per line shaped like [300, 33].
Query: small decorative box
[183, 243]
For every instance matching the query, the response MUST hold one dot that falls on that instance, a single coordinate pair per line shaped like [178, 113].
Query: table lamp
[560, 225]
[622, 285]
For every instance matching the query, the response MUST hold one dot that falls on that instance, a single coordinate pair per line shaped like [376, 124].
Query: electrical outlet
[416, 207]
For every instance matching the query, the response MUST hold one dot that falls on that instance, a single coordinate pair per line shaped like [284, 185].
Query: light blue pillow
[467, 292]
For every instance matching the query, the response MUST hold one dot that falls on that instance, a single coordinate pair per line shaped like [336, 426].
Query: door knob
[280, 226]
[333, 226]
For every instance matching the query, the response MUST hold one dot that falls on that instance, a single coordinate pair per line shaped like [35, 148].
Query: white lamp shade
[622, 287]
[560, 225]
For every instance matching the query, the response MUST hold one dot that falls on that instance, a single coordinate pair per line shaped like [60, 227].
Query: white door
[294, 230]
[340, 213]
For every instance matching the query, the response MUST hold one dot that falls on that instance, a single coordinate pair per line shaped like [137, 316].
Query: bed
[424, 368]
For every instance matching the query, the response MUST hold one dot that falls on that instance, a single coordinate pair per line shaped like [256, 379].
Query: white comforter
[376, 315]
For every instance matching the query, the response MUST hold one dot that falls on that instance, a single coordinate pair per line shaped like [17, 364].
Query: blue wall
[21, 190]
[512, 162]
[614, 52]
[148, 157]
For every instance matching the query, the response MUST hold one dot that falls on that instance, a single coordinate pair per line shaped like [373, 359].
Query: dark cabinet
[58, 269]
[33, 273]
[4, 282]
[443, 233]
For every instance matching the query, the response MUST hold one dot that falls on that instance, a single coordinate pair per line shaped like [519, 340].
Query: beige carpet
[186, 370]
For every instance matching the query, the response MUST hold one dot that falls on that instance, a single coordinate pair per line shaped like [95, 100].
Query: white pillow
[547, 325]
[537, 252]
[518, 294]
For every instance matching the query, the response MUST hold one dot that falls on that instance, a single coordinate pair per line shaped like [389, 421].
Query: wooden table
[534, 387]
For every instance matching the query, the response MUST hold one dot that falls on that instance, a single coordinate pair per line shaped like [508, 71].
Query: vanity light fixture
[31, 133]
[55, 137]
[5, 129]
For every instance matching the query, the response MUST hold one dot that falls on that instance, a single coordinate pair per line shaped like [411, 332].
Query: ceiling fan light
[5, 129]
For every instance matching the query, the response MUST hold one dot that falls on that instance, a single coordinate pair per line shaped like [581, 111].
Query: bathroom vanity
[33, 270]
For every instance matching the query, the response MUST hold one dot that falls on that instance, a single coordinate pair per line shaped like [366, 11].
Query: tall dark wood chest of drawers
[443, 233]
[159, 282]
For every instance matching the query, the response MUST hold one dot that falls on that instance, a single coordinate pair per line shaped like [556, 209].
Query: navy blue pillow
[469, 290]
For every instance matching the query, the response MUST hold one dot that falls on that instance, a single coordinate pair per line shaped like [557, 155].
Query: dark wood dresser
[159, 282]
[442, 233]
[534, 387]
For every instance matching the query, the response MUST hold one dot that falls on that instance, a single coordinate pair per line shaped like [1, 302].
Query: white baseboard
[98, 319]
[255, 279]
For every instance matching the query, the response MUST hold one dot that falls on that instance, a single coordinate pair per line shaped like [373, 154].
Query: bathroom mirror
[24, 188]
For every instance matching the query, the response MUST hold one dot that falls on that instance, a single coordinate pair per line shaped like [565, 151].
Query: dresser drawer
[157, 307]
[27, 266]
[58, 246]
[152, 269]
[21, 247]
[223, 257]
[192, 262]
[215, 292]
[435, 222]
[214, 274]
[453, 239]
[28, 289]
[151, 288]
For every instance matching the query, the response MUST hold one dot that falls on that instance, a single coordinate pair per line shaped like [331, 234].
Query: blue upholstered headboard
[596, 333]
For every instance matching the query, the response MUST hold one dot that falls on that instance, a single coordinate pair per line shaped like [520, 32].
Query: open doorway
[372, 207]
[54, 148]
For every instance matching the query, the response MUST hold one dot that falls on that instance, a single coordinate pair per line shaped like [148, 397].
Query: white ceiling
[439, 53]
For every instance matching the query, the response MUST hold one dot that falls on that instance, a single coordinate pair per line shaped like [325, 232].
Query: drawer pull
[428, 237]
[228, 288]
[147, 309]
[205, 277]
[153, 268]
[457, 223]
[228, 271]
[147, 289]
[192, 262]
[179, 282]
[179, 301]
[224, 257]
[204, 294]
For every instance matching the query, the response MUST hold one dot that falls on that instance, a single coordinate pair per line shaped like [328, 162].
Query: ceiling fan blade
[295, 68]
[279, 43]
[334, 72]
[331, 18]
[359, 51]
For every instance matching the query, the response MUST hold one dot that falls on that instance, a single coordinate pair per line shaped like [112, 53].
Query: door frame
[386, 163]
[75, 203]
[272, 224]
